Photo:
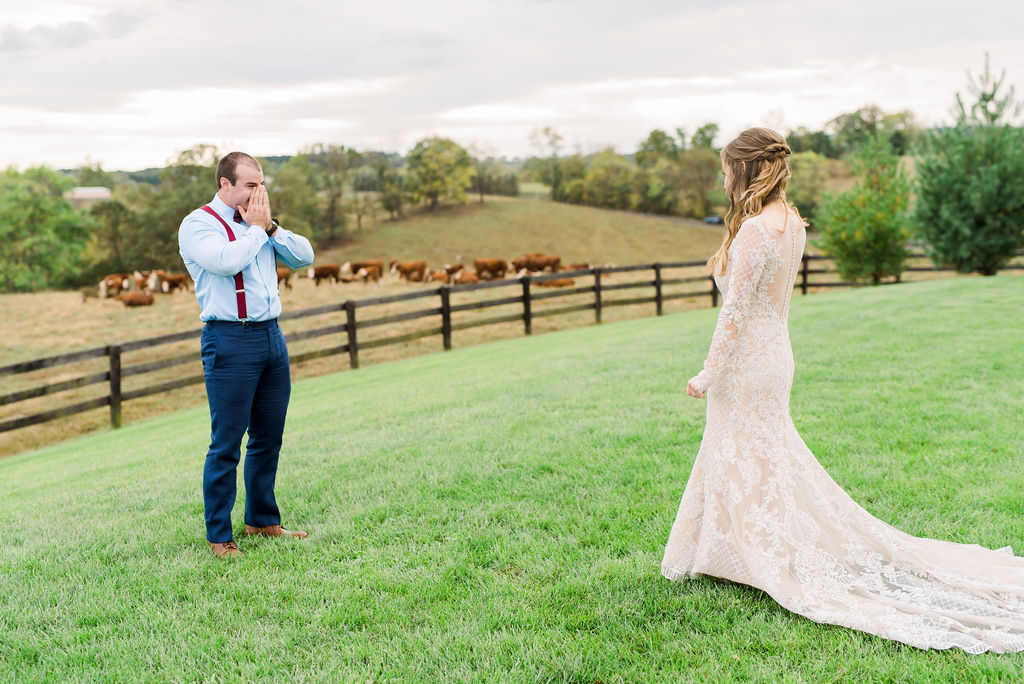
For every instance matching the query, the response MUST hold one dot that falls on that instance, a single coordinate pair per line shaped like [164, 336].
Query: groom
[230, 248]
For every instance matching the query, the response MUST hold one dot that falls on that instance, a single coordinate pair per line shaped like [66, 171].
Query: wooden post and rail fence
[526, 297]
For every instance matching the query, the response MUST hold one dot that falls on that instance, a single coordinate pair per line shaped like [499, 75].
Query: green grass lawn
[498, 513]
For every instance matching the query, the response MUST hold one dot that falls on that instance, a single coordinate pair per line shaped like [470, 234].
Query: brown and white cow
[556, 282]
[463, 277]
[140, 280]
[534, 261]
[113, 284]
[284, 275]
[325, 272]
[441, 276]
[412, 271]
[143, 298]
[351, 268]
[368, 273]
[168, 282]
[491, 268]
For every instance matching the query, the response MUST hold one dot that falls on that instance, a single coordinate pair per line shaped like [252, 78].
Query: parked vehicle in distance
[714, 219]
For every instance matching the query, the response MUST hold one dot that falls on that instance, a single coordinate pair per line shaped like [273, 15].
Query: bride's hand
[693, 391]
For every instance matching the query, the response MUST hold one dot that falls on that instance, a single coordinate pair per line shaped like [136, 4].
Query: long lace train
[759, 509]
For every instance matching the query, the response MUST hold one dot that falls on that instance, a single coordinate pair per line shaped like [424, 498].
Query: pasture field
[505, 228]
[498, 513]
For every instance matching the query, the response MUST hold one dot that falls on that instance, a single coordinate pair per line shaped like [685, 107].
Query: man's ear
[223, 182]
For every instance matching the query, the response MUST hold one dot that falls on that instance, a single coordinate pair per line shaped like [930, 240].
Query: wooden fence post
[714, 292]
[527, 305]
[350, 328]
[597, 295]
[446, 318]
[115, 385]
[657, 287]
[803, 277]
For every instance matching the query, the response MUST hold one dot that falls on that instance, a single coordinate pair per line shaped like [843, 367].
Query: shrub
[866, 228]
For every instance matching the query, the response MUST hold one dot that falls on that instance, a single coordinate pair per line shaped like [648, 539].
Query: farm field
[499, 512]
[505, 228]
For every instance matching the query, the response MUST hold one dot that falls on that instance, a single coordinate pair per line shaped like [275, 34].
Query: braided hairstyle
[760, 173]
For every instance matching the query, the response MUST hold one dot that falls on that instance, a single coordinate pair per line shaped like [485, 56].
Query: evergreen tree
[969, 179]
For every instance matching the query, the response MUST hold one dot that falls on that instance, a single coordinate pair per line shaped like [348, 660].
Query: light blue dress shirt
[213, 261]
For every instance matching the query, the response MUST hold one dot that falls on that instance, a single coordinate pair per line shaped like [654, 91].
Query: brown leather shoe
[273, 531]
[228, 549]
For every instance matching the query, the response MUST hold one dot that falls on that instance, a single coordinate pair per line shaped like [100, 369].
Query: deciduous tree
[439, 169]
[41, 236]
[866, 228]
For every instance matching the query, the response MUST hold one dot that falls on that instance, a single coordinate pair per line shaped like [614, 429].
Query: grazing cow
[441, 275]
[452, 269]
[465, 276]
[168, 282]
[113, 284]
[413, 271]
[144, 298]
[368, 273]
[533, 261]
[491, 268]
[153, 281]
[325, 272]
[557, 282]
[351, 268]
[140, 279]
[284, 275]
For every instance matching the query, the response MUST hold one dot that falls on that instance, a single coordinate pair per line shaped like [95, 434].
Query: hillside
[506, 228]
[499, 512]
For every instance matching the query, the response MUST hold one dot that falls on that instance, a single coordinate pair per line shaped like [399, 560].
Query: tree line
[967, 209]
[679, 174]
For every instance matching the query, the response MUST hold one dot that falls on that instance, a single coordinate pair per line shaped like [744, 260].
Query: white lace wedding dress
[760, 510]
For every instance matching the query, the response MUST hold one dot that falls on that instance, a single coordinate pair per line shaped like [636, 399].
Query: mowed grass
[498, 513]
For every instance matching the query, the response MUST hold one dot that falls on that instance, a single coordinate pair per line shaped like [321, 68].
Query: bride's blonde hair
[760, 173]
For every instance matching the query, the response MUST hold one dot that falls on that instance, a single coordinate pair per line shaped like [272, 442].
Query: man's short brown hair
[227, 167]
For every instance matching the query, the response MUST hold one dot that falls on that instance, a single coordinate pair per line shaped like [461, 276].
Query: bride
[760, 510]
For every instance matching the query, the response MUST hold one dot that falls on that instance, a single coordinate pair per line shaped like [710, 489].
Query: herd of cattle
[531, 263]
[136, 289]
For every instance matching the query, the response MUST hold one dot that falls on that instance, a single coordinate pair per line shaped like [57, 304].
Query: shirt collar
[223, 210]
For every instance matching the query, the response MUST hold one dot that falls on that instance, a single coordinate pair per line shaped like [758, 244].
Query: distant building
[86, 196]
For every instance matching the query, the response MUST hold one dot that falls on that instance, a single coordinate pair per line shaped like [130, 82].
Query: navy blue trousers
[248, 386]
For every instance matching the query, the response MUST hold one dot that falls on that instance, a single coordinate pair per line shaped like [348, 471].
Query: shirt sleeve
[208, 246]
[746, 264]
[292, 249]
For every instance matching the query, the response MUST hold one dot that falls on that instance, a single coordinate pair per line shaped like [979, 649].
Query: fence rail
[526, 297]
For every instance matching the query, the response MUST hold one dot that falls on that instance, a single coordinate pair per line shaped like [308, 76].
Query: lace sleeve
[747, 255]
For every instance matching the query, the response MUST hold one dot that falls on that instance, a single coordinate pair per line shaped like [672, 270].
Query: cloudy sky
[130, 83]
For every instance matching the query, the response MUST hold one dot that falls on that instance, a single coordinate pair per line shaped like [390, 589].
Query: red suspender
[239, 284]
